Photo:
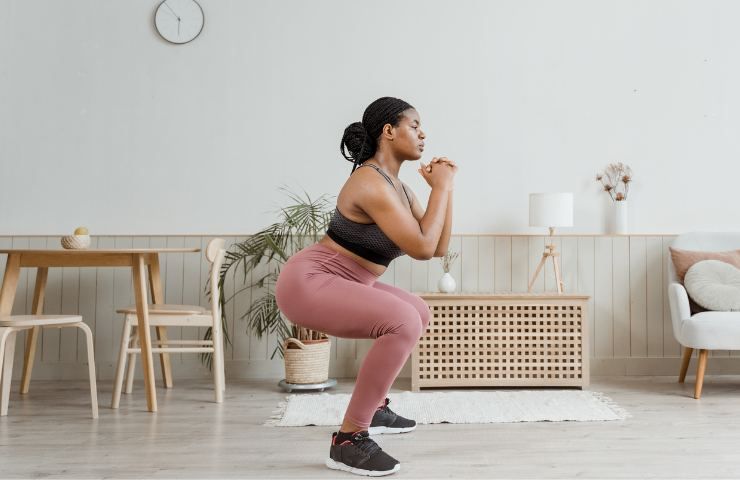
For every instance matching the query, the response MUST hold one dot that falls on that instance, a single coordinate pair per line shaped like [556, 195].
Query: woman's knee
[407, 325]
[424, 313]
[421, 318]
[412, 330]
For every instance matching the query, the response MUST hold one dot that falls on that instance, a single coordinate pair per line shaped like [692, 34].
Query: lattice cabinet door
[486, 340]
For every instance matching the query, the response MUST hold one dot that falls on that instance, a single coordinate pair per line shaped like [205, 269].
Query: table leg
[42, 274]
[145, 339]
[155, 283]
[10, 283]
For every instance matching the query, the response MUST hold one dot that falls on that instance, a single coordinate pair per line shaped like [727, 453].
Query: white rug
[458, 407]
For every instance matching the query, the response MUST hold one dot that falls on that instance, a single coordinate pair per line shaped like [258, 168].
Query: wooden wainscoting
[625, 276]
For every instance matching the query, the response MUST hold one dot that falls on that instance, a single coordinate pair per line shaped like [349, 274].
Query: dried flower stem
[614, 176]
[448, 259]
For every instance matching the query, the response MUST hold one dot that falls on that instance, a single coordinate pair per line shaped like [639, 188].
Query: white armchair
[706, 330]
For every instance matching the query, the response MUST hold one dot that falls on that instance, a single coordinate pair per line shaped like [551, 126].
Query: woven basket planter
[75, 242]
[306, 361]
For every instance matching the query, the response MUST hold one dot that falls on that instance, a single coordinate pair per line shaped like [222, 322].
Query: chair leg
[218, 366]
[4, 334]
[91, 368]
[118, 381]
[685, 363]
[8, 341]
[223, 362]
[131, 365]
[223, 367]
[700, 373]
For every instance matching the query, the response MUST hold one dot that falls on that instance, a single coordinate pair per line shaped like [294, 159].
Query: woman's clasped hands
[439, 173]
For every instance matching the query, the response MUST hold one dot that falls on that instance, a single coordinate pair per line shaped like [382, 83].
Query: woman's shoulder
[356, 190]
[366, 178]
[360, 186]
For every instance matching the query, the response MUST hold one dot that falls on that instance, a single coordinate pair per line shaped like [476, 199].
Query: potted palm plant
[301, 223]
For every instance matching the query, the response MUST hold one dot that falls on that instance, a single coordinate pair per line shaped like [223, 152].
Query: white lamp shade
[550, 209]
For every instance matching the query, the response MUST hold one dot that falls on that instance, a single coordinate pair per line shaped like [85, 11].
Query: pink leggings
[324, 290]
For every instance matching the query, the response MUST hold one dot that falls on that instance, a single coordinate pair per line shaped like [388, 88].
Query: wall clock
[179, 21]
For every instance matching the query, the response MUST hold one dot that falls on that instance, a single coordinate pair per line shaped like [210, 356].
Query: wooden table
[141, 261]
[502, 340]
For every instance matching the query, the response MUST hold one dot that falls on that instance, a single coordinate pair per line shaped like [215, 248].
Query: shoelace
[363, 441]
[385, 407]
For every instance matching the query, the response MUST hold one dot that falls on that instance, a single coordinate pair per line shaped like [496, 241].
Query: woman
[332, 285]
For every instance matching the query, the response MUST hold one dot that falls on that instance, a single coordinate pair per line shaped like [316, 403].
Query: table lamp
[550, 210]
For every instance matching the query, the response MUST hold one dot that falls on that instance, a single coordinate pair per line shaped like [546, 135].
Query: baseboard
[104, 371]
[348, 368]
[661, 366]
[639, 366]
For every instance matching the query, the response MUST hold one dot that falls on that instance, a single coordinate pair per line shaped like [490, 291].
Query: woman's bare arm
[418, 211]
[444, 240]
[417, 237]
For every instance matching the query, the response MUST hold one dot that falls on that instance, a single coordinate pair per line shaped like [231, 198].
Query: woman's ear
[388, 131]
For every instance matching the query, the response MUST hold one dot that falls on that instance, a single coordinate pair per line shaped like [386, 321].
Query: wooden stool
[10, 325]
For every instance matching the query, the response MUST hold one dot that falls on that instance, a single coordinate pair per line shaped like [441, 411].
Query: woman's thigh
[347, 309]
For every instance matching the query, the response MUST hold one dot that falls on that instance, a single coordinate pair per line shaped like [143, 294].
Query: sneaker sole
[358, 471]
[387, 430]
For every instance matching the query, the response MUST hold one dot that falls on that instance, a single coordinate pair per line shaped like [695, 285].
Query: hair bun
[356, 145]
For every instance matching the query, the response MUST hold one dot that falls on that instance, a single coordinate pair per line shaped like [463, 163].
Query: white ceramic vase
[619, 220]
[446, 283]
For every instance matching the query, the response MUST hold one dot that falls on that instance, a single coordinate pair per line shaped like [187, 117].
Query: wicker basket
[76, 242]
[309, 362]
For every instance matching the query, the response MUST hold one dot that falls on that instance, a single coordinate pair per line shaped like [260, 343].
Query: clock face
[179, 21]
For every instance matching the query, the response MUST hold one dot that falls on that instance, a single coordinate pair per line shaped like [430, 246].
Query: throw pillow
[715, 285]
[684, 259]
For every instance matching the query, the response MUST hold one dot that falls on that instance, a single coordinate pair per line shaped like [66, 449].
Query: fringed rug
[502, 406]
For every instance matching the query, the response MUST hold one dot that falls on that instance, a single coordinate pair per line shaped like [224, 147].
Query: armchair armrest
[679, 301]
[680, 310]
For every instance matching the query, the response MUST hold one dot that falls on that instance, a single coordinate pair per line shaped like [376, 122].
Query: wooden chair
[177, 316]
[10, 325]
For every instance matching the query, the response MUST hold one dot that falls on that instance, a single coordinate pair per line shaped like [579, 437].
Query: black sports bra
[365, 239]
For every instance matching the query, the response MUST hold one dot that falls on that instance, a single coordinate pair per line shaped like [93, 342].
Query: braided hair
[360, 139]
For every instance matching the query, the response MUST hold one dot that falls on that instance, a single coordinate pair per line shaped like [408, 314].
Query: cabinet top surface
[501, 296]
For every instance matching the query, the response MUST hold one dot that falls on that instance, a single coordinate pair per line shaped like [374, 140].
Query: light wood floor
[670, 435]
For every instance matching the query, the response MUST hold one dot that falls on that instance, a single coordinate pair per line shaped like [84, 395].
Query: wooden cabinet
[502, 340]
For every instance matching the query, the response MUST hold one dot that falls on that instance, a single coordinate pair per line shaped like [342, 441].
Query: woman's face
[408, 137]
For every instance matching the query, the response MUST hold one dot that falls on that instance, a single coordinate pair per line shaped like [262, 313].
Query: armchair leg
[685, 363]
[700, 373]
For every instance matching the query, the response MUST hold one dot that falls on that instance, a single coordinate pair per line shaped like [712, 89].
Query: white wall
[103, 123]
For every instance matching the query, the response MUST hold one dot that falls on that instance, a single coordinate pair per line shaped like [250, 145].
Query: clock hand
[173, 12]
[178, 26]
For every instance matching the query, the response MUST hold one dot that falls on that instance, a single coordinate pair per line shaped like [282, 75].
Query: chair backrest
[215, 254]
[706, 242]
[213, 248]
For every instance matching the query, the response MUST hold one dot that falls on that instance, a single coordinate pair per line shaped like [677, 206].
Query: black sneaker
[386, 420]
[362, 456]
